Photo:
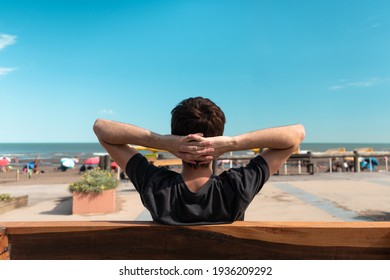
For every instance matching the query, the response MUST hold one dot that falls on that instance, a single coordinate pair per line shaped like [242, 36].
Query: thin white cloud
[4, 71]
[376, 25]
[369, 24]
[375, 21]
[366, 83]
[106, 112]
[357, 84]
[6, 40]
[336, 87]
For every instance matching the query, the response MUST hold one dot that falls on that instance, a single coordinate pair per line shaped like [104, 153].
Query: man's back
[222, 199]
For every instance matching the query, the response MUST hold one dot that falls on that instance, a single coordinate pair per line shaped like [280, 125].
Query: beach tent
[369, 163]
[7, 158]
[92, 161]
[335, 150]
[365, 150]
[67, 162]
[4, 162]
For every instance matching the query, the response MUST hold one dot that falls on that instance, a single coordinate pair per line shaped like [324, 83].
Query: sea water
[49, 150]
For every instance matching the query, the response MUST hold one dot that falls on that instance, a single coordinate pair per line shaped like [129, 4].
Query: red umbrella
[3, 162]
[92, 160]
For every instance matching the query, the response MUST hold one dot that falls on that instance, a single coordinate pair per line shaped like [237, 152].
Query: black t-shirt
[223, 199]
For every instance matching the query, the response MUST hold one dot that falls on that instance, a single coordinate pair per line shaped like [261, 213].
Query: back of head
[197, 115]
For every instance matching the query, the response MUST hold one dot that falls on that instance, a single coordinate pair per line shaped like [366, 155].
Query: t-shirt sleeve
[256, 175]
[260, 162]
[140, 171]
[249, 180]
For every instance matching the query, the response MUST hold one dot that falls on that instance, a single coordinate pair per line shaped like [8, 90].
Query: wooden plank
[4, 255]
[240, 240]
[167, 162]
[293, 232]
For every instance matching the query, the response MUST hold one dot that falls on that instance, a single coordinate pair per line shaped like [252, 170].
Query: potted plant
[94, 193]
[5, 197]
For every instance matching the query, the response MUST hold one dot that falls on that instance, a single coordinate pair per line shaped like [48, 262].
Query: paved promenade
[320, 197]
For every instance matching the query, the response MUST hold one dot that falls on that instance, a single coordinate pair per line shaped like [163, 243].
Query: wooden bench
[240, 240]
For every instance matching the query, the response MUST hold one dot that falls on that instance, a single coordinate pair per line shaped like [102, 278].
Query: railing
[310, 160]
[240, 240]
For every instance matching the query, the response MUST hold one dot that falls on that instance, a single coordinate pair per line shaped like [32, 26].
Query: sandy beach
[321, 197]
[46, 175]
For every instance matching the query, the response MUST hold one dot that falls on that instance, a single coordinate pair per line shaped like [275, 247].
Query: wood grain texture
[3, 244]
[167, 162]
[240, 240]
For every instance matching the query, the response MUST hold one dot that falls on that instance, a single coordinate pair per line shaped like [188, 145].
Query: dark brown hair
[197, 115]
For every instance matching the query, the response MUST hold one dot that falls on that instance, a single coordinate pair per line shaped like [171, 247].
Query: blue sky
[325, 64]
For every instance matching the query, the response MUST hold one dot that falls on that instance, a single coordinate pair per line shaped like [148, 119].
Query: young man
[197, 196]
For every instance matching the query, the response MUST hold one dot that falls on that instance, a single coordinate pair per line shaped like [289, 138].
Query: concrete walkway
[322, 197]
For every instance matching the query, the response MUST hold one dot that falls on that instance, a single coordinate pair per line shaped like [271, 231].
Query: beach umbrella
[374, 161]
[92, 160]
[3, 162]
[369, 163]
[67, 162]
[7, 158]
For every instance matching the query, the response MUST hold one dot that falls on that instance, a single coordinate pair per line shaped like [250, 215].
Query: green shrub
[5, 197]
[96, 181]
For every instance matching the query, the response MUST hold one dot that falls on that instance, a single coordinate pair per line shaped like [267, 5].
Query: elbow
[296, 135]
[98, 128]
[300, 134]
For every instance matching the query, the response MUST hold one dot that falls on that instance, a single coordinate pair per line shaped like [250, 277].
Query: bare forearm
[116, 136]
[277, 138]
[116, 133]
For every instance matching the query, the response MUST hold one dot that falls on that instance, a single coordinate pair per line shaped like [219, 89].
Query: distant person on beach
[35, 169]
[197, 196]
[83, 168]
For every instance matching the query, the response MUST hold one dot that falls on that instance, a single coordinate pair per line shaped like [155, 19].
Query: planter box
[14, 203]
[94, 203]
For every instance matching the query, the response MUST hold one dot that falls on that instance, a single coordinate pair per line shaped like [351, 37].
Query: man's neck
[195, 178]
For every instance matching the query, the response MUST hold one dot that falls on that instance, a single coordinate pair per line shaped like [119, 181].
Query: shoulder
[139, 166]
[260, 162]
[135, 160]
[143, 174]
[257, 165]
[252, 176]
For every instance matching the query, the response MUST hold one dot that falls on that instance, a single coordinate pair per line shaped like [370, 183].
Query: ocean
[23, 151]
[50, 151]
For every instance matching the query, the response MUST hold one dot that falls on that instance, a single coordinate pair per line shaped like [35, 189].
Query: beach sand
[45, 175]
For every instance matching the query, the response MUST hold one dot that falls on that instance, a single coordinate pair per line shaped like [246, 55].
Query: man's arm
[280, 142]
[115, 137]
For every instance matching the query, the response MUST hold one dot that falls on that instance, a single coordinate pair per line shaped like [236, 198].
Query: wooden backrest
[4, 254]
[240, 240]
